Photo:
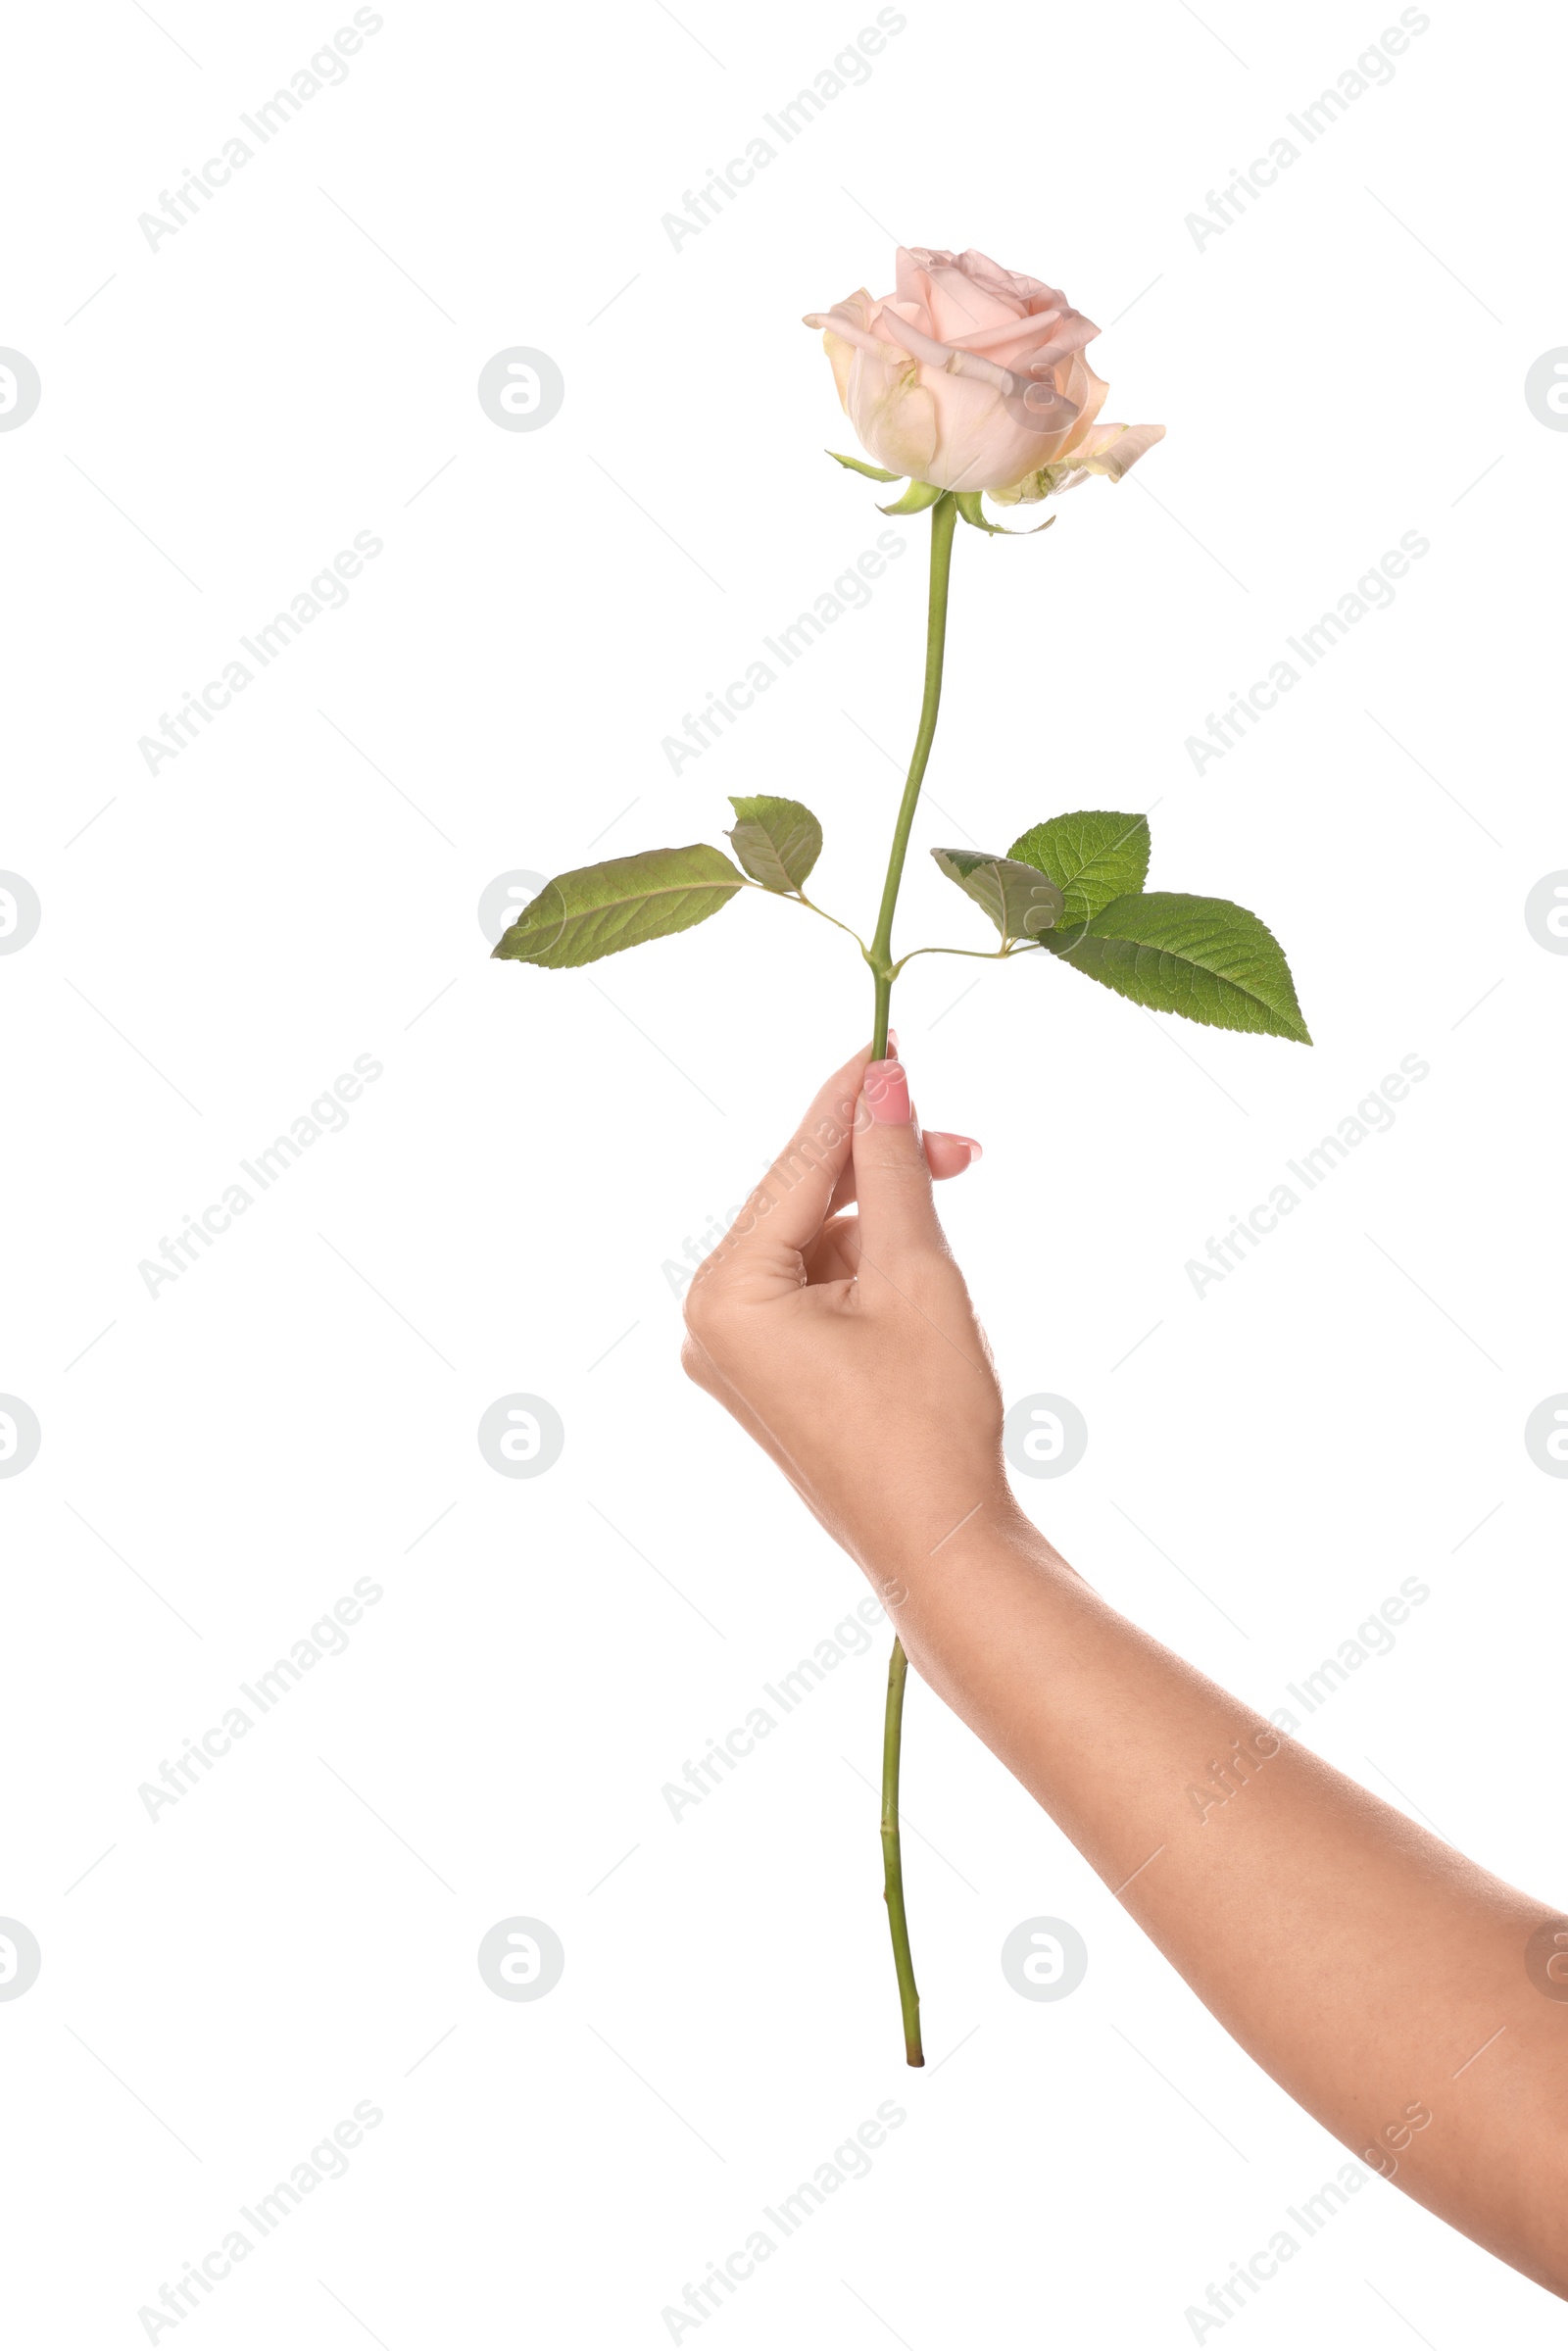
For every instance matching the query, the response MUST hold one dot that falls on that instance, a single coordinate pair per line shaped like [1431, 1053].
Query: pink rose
[972, 377]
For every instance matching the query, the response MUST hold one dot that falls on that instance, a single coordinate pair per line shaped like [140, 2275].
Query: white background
[1344, 364]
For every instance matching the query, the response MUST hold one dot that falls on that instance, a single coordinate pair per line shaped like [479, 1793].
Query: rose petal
[1040, 341]
[1027, 292]
[894, 415]
[1081, 384]
[945, 355]
[842, 321]
[1068, 339]
[1009, 330]
[1116, 447]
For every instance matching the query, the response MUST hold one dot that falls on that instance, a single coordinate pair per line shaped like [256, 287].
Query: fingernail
[887, 1093]
[965, 1143]
[893, 1043]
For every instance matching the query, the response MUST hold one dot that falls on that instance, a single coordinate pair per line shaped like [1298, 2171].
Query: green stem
[892, 1858]
[798, 898]
[981, 955]
[943, 520]
[812, 907]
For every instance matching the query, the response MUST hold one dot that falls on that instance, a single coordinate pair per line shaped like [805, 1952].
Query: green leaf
[1018, 902]
[1201, 956]
[858, 465]
[777, 840]
[1092, 856]
[970, 506]
[917, 498]
[599, 910]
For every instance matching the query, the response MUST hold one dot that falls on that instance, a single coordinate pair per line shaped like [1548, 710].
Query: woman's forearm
[1376, 1974]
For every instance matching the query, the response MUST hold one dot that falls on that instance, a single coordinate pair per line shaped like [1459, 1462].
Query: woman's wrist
[987, 1564]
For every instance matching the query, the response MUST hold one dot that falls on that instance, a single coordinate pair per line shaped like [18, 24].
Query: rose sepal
[970, 506]
[917, 498]
[858, 464]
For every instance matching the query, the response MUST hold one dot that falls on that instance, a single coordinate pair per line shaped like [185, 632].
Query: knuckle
[698, 1308]
[710, 1316]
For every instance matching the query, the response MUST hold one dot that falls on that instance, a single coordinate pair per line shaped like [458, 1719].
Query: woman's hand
[844, 1342]
[1383, 1980]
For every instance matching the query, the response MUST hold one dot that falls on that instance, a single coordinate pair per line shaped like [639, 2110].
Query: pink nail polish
[975, 1151]
[887, 1093]
[893, 1043]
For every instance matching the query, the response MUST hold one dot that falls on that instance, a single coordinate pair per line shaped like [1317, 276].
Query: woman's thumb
[899, 1222]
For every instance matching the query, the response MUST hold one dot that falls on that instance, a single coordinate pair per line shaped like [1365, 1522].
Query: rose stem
[943, 520]
[892, 1856]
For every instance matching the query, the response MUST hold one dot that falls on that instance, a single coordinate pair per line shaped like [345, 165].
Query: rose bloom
[972, 376]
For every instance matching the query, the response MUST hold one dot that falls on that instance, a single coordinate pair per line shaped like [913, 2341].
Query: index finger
[786, 1211]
